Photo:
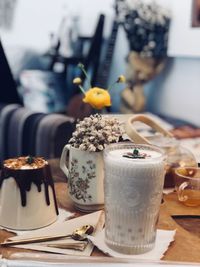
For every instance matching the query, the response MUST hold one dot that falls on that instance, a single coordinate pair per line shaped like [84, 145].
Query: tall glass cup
[134, 178]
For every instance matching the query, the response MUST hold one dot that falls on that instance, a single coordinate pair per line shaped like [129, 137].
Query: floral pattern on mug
[79, 186]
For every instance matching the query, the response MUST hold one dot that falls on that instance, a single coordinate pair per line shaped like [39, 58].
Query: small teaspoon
[79, 234]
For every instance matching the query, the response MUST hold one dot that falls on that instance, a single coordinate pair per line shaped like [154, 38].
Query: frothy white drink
[134, 177]
[120, 155]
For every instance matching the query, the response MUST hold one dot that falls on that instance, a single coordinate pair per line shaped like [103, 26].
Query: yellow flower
[121, 79]
[77, 80]
[97, 97]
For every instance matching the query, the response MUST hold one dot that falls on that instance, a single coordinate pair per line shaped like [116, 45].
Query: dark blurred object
[103, 73]
[177, 122]
[185, 132]
[105, 66]
[87, 51]
[76, 107]
[8, 87]
[25, 132]
[57, 173]
[43, 90]
[51, 90]
[21, 58]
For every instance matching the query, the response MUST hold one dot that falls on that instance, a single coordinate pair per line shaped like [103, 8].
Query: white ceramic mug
[85, 173]
[27, 198]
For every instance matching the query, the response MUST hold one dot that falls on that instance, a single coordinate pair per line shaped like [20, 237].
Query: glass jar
[177, 155]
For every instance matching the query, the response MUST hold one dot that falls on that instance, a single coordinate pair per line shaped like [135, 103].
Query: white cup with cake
[27, 194]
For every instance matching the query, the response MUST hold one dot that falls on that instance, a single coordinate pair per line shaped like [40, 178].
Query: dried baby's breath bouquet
[95, 132]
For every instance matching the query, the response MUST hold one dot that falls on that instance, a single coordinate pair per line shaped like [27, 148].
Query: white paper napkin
[163, 240]
[96, 219]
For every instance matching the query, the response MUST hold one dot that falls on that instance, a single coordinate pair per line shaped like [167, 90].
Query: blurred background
[156, 45]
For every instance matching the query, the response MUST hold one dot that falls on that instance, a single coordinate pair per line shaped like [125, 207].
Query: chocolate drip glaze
[24, 179]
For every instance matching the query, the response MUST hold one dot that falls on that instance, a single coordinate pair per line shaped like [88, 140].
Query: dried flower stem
[82, 90]
[81, 66]
[110, 87]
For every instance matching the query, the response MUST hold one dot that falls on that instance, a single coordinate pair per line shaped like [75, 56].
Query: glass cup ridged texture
[133, 192]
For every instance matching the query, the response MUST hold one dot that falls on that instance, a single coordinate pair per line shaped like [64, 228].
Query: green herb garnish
[30, 160]
[135, 152]
[135, 155]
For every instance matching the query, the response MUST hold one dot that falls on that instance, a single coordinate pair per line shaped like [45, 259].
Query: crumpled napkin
[163, 240]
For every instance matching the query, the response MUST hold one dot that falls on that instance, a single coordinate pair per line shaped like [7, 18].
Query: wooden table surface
[173, 215]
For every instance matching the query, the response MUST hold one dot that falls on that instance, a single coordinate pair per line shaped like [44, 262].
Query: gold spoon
[79, 234]
[79, 245]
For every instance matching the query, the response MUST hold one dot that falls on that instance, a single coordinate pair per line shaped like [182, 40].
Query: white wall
[176, 92]
[36, 19]
[184, 40]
